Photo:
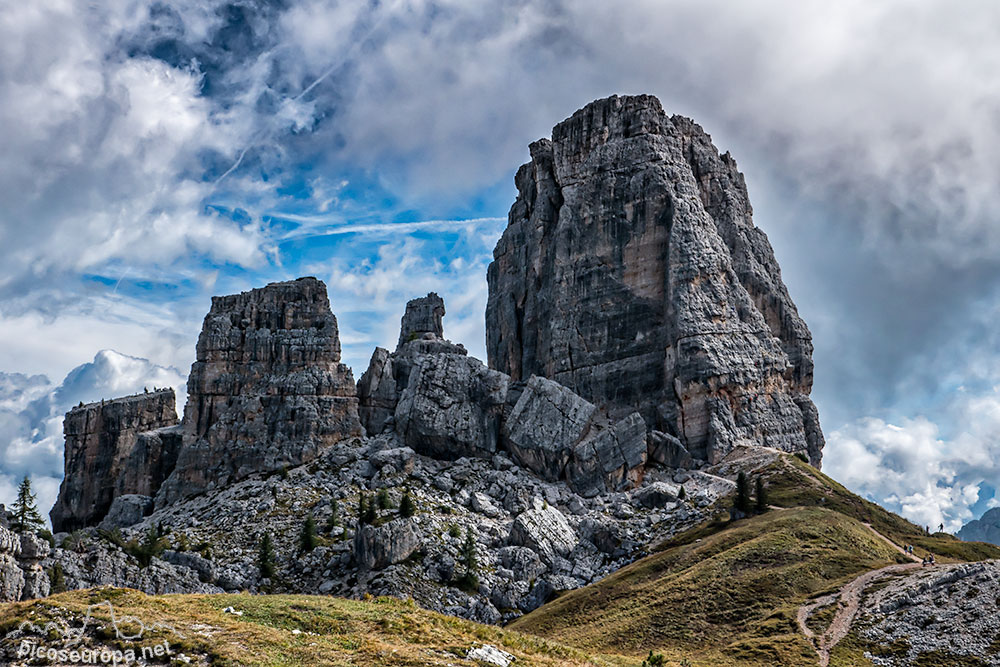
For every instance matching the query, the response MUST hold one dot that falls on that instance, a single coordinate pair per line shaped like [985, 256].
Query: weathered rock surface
[559, 435]
[126, 511]
[381, 387]
[984, 529]
[11, 575]
[631, 272]
[33, 551]
[544, 530]
[451, 407]
[422, 316]
[107, 453]
[377, 394]
[376, 547]
[942, 615]
[267, 389]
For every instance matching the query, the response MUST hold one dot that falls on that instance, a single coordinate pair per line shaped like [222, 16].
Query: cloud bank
[158, 153]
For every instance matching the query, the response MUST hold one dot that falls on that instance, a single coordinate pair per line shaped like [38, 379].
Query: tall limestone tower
[632, 273]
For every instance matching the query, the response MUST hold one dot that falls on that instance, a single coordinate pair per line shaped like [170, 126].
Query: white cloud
[913, 469]
[32, 410]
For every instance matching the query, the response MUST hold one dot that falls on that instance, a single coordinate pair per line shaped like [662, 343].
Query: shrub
[113, 536]
[383, 500]
[469, 581]
[151, 546]
[57, 581]
[454, 530]
[802, 457]
[46, 535]
[654, 660]
[682, 494]
[334, 519]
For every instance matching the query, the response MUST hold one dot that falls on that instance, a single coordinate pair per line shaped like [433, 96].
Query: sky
[154, 154]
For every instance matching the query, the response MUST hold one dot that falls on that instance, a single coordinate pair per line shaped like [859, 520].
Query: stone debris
[490, 655]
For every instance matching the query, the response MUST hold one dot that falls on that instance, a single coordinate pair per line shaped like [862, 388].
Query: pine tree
[266, 557]
[406, 506]
[371, 514]
[683, 494]
[742, 502]
[470, 562]
[362, 509]
[308, 540]
[334, 519]
[762, 504]
[26, 516]
[384, 503]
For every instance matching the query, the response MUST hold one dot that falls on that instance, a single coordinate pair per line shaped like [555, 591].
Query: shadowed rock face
[107, 454]
[632, 273]
[984, 529]
[267, 389]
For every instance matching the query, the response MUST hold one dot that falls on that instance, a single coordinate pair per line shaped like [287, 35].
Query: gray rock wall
[107, 455]
[267, 389]
[632, 273]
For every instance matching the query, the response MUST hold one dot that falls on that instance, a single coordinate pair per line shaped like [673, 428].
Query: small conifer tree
[308, 540]
[470, 562]
[742, 502]
[362, 508]
[334, 519]
[406, 506]
[682, 494]
[266, 557]
[26, 515]
[762, 504]
[383, 500]
[371, 513]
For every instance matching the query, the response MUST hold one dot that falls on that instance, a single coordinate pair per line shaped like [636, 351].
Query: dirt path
[847, 599]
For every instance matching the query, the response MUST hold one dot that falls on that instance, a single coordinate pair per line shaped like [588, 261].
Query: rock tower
[631, 272]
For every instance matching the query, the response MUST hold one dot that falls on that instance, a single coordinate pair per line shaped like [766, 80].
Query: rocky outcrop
[544, 530]
[33, 551]
[107, 453]
[559, 435]
[631, 272]
[421, 335]
[267, 389]
[451, 407]
[377, 547]
[423, 316]
[11, 575]
[126, 511]
[984, 529]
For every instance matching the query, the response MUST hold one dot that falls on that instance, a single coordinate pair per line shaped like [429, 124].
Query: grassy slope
[725, 593]
[334, 631]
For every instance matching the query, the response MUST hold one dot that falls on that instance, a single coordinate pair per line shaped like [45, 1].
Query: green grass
[726, 593]
[729, 596]
[330, 631]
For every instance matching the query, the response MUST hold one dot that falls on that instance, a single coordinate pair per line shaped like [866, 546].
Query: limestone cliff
[106, 455]
[631, 272]
[267, 389]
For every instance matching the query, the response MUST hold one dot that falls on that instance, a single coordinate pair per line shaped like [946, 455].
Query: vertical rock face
[267, 389]
[422, 316]
[632, 273]
[102, 446]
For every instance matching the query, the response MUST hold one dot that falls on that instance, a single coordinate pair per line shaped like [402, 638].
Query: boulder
[559, 435]
[544, 530]
[377, 547]
[657, 494]
[632, 273]
[668, 450]
[11, 575]
[451, 407]
[126, 511]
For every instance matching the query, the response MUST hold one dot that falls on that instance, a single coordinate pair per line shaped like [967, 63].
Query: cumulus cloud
[164, 152]
[915, 469]
[32, 409]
